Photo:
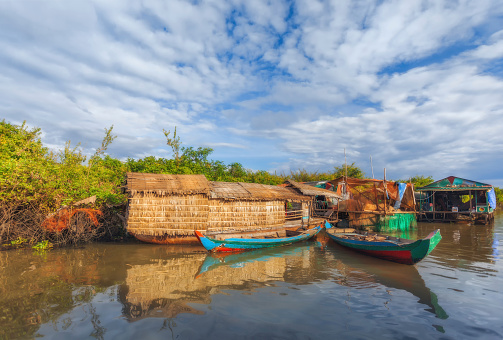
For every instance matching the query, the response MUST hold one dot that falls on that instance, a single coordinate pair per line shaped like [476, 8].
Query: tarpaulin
[491, 198]
[401, 190]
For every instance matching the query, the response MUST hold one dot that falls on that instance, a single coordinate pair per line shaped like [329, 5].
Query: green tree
[499, 196]
[175, 144]
[352, 171]
[419, 180]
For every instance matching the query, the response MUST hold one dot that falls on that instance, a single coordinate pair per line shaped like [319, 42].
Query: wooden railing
[293, 215]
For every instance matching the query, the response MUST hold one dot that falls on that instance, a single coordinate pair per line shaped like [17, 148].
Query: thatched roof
[228, 190]
[253, 191]
[309, 190]
[166, 184]
[163, 184]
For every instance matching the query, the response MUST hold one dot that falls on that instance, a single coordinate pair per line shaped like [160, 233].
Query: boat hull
[246, 244]
[410, 253]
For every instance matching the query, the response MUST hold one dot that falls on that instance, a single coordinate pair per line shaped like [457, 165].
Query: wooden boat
[385, 247]
[238, 242]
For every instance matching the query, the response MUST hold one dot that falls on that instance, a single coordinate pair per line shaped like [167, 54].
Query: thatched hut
[376, 204]
[321, 199]
[167, 209]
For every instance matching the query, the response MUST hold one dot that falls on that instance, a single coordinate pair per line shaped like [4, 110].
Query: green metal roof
[452, 183]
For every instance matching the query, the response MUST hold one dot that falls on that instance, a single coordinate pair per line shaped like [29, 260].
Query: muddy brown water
[313, 290]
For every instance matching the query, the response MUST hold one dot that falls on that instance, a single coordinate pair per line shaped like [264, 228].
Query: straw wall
[231, 215]
[154, 215]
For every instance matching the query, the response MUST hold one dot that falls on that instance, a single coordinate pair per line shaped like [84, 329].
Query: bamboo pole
[385, 191]
[371, 167]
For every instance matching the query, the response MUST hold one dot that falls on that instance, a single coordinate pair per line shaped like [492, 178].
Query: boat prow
[386, 247]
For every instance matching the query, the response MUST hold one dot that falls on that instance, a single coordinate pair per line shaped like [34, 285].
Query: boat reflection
[361, 271]
[240, 260]
[340, 265]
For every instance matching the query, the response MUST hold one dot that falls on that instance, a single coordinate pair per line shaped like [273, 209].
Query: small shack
[373, 203]
[322, 200]
[167, 209]
[455, 199]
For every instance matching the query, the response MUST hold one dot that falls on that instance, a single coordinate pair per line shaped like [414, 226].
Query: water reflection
[361, 271]
[56, 291]
[164, 287]
[463, 246]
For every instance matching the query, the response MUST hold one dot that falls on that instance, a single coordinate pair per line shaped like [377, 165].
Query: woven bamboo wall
[154, 215]
[227, 215]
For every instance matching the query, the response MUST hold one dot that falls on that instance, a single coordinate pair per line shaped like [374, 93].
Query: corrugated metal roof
[453, 183]
[453, 189]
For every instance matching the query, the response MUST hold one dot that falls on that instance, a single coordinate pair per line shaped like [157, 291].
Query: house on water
[455, 199]
[168, 209]
[373, 204]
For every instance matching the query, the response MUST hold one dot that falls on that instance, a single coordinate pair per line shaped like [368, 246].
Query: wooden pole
[377, 198]
[385, 191]
[346, 164]
[371, 167]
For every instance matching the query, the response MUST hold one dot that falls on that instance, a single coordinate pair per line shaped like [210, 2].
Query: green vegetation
[36, 183]
[499, 195]
[418, 181]
[43, 245]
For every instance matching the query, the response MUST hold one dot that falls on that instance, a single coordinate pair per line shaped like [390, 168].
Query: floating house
[167, 209]
[455, 199]
[373, 204]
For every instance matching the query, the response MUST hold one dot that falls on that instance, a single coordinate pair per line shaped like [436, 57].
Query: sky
[414, 86]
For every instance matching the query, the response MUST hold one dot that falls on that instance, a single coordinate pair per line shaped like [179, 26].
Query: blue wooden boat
[385, 247]
[238, 242]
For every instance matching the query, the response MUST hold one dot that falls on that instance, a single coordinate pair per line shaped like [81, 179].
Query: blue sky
[274, 85]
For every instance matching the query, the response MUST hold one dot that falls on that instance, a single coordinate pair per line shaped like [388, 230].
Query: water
[315, 290]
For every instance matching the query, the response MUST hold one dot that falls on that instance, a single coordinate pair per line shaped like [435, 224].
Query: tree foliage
[419, 180]
[352, 171]
[34, 179]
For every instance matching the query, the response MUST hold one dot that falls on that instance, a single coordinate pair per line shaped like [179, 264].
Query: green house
[455, 199]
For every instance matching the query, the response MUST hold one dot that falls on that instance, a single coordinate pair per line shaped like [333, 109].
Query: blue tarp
[491, 198]
[401, 190]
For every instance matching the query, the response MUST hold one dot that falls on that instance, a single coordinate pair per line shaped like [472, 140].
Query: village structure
[168, 209]
[455, 199]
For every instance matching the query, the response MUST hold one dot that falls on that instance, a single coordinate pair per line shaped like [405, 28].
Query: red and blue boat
[239, 242]
[385, 247]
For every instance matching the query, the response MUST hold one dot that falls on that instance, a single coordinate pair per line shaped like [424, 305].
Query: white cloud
[415, 84]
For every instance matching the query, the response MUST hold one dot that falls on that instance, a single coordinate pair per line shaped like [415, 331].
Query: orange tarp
[61, 220]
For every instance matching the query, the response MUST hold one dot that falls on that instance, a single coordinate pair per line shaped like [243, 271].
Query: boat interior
[361, 235]
[274, 233]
